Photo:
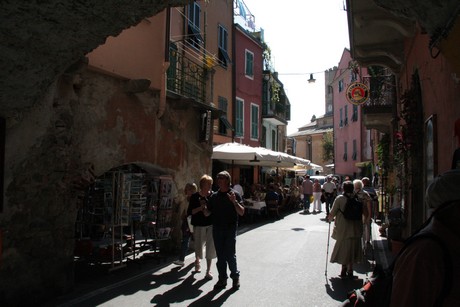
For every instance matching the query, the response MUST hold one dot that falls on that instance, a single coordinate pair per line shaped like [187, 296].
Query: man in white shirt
[330, 192]
[237, 187]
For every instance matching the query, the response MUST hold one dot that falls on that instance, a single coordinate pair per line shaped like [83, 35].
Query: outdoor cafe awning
[299, 170]
[316, 167]
[240, 154]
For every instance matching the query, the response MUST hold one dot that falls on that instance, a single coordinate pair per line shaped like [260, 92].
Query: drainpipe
[165, 65]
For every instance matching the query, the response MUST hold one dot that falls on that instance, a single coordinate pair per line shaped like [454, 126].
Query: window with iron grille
[345, 151]
[193, 30]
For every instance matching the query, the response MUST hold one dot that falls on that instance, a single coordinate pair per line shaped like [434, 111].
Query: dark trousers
[225, 244]
[306, 201]
[329, 201]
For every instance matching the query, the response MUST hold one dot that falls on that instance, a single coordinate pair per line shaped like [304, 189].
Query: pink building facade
[351, 139]
[248, 87]
[421, 122]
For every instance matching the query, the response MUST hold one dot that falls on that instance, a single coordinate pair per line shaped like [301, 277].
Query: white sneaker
[178, 262]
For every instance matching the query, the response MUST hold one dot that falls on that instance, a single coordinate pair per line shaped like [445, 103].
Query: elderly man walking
[307, 190]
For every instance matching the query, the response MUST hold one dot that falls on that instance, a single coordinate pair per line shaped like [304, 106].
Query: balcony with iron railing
[379, 109]
[185, 77]
[275, 108]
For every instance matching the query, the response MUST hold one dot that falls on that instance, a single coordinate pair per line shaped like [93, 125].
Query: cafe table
[254, 208]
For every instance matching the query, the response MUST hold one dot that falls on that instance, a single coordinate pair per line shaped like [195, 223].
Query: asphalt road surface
[282, 263]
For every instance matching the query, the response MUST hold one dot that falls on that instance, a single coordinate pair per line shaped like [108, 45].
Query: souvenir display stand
[126, 214]
[156, 224]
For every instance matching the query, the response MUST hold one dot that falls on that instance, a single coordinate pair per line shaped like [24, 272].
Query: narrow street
[282, 263]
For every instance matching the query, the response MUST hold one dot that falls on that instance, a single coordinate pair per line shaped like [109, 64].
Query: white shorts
[202, 235]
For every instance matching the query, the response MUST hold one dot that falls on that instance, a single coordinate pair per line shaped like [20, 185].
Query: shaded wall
[85, 126]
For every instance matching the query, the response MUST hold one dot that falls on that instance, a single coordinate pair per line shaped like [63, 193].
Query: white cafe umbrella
[235, 151]
[316, 167]
[246, 155]
[297, 160]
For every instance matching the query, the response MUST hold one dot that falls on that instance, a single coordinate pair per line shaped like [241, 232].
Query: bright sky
[305, 36]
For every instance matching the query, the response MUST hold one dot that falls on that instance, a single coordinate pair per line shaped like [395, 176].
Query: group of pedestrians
[319, 193]
[214, 223]
[424, 272]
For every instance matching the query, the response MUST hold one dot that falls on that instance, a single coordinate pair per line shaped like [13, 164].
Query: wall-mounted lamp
[311, 80]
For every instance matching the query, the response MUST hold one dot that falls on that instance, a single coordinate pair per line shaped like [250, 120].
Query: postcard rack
[124, 214]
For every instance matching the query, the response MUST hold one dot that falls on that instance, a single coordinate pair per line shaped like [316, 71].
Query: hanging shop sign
[357, 93]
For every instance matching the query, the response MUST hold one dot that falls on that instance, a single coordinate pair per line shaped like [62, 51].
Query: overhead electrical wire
[192, 52]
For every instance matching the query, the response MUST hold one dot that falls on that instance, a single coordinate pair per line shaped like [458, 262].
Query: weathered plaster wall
[85, 126]
[55, 137]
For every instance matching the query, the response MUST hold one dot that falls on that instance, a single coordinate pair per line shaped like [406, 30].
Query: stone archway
[45, 174]
[42, 40]
[57, 149]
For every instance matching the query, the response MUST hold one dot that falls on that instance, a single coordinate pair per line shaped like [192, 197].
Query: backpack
[353, 209]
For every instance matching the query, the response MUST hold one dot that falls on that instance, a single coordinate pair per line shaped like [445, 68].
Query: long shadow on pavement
[188, 289]
[148, 283]
[338, 287]
[207, 300]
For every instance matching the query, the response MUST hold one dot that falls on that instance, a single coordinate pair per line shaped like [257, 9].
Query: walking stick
[327, 250]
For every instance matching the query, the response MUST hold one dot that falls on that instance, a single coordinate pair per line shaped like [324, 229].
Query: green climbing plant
[383, 153]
